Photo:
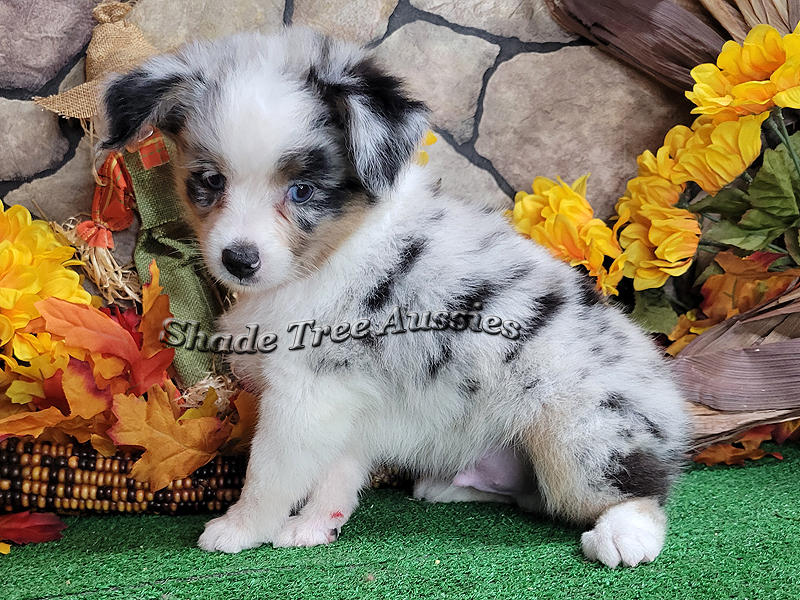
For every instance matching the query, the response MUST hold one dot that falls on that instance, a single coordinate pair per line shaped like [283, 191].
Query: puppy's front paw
[625, 534]
[229, 533]
[306, 532]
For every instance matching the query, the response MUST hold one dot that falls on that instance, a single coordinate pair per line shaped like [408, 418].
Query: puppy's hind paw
[228, 534]
[629, 533]
[303, 532]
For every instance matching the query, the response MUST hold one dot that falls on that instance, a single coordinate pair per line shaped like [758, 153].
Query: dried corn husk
[745, 371]
[224, 387]
[114, 281]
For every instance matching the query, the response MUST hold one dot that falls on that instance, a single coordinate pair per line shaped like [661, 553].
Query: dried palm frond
[739, 16]
[711, 426]
[729, 17]
[745, 371]
[667, 38]
[659, 37]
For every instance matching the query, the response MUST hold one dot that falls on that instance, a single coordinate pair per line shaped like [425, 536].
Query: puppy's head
[285, 143]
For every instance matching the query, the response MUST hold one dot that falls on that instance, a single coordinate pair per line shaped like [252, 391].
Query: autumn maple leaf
[155, 310]
[788, 430]
[53, 394]
[30, 423]
[151, 371]
[172, 449]
[85, 327]
[730, 454]
[26, 527]
[128, 319]
[80, 388]
[745, 284]
[246, 405]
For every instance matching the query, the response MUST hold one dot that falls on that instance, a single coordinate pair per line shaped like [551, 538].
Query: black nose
[241, 260]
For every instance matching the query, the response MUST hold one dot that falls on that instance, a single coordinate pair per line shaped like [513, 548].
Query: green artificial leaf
[730, 203]
[725, 232]
[653, 311]
[792, 239]
[781, 264]
[712, 269]
[773, 187]
[794, 141]
[760, 220]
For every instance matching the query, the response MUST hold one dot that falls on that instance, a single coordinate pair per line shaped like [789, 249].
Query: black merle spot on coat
[469, 387]
[619, 403]
[437, 215]
[544, 309]
[527, 387]
[613, 402]
[438, 362]
[476, 297]
[304, 164]
[652, 428]
[331, 364]
[491, 239]
[478, 294]
[380, 295]
[588, 294]
[641, 475]
[371, 341]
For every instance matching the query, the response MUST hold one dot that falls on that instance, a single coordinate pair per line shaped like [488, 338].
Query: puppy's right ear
[152, 94]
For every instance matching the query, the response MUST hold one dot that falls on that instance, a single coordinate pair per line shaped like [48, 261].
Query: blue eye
[300, 192]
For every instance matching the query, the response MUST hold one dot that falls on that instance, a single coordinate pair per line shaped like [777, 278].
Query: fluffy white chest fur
[410, 327]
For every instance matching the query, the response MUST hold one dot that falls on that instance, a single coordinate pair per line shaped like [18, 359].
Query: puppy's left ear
[383, 125]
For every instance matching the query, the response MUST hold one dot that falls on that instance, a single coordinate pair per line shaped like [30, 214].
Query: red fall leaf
[128, 319]
[27, 527]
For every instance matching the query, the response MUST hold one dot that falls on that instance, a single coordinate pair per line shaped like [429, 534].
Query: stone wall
[512, 95]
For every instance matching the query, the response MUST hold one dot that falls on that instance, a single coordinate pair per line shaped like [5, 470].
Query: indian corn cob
[75, 478]
[70, 478]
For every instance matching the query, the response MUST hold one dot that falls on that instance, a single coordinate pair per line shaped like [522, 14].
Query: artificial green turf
[734, 533]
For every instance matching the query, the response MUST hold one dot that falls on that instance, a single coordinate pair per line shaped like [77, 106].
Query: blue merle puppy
[395, 324]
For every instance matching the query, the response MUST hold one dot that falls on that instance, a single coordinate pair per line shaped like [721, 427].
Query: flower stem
[682, 306]
[778, 125]
[713, 244]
